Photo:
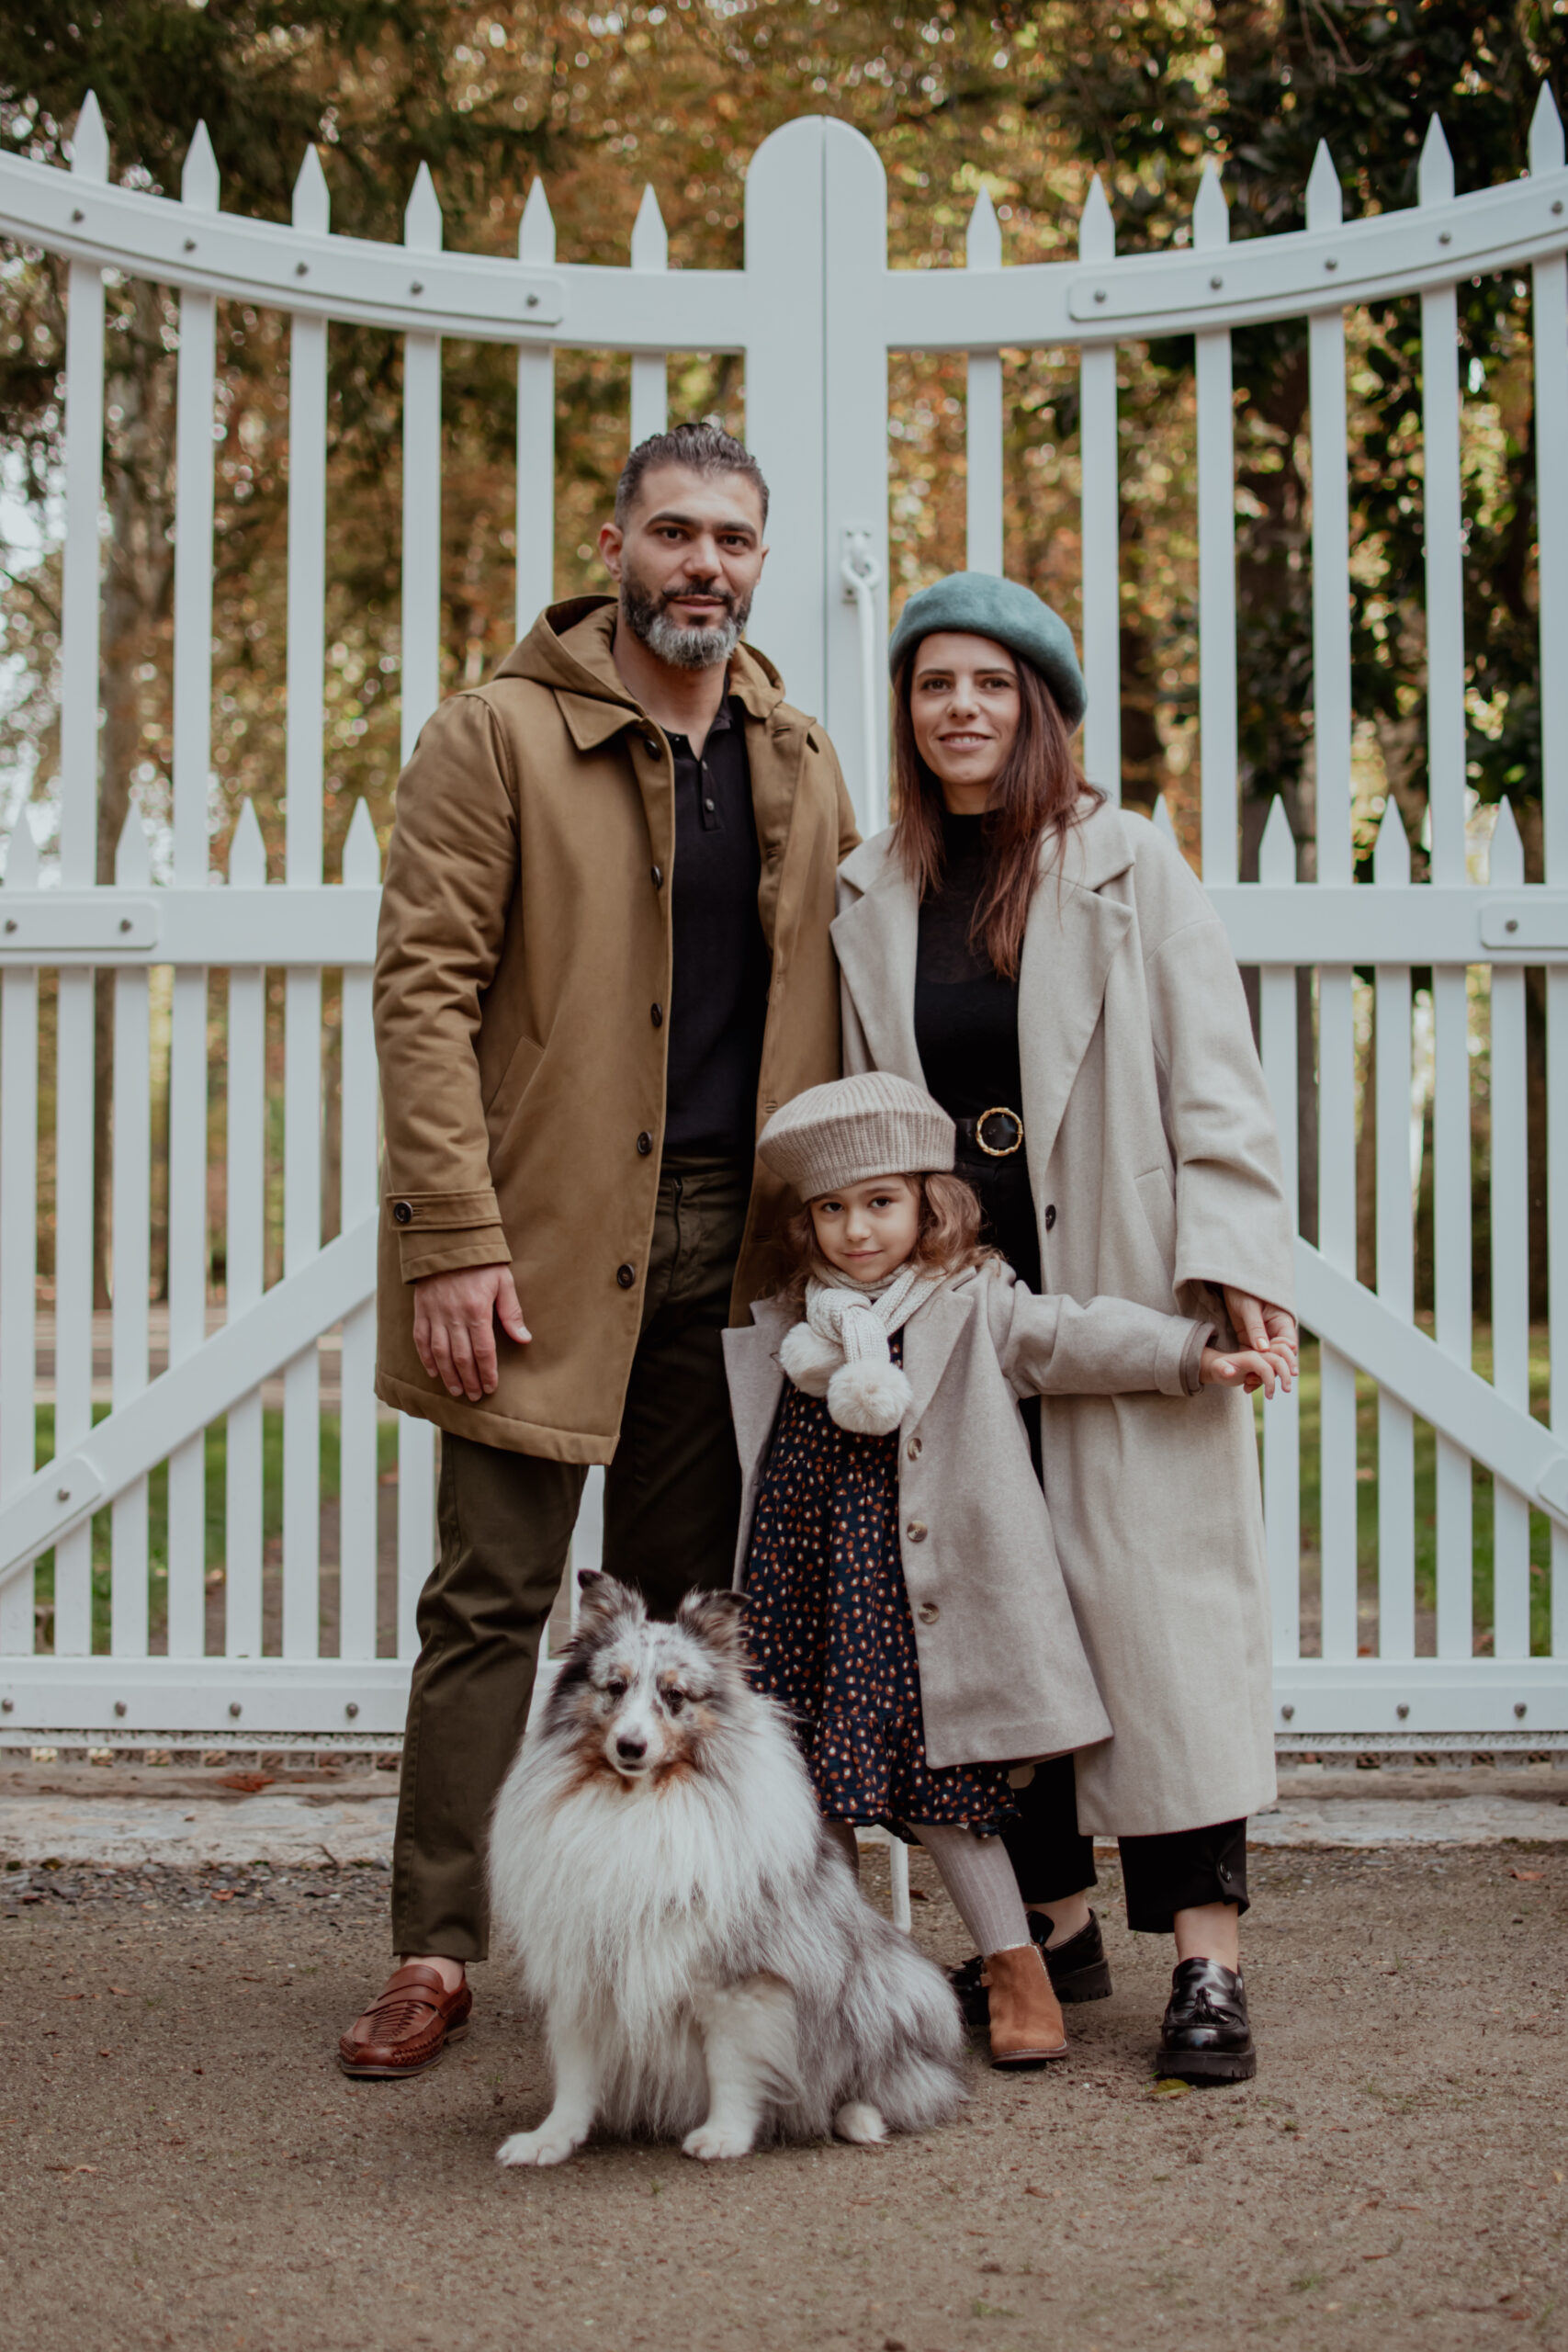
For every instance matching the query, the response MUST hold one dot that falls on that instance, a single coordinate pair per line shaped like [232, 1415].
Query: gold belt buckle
[998, 1150]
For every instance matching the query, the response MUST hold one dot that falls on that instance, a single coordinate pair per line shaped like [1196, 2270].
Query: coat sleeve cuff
[1179, 1356]
[447, 1249]
[1199, 1337]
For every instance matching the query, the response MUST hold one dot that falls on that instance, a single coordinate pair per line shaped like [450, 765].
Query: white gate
[814, 312]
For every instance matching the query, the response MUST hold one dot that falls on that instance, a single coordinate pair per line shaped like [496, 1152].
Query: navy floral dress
[829, 1628]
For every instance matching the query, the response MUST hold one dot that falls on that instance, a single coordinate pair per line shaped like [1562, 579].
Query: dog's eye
[674, 1700]
[616, 1688]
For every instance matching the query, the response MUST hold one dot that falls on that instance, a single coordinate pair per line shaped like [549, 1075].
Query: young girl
[907, 1606]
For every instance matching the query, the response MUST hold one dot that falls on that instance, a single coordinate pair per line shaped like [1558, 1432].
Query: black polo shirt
[719, 993]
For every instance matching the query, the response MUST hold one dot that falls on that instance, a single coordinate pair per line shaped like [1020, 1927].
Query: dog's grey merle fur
[704, 1960]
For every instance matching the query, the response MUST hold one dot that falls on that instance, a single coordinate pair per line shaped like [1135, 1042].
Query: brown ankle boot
[1026, 2019]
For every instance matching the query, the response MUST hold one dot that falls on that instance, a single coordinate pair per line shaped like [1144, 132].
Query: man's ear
[611, 540]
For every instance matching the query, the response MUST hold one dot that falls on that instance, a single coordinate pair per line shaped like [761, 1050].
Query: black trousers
[671, 1509]
[1160, 1876]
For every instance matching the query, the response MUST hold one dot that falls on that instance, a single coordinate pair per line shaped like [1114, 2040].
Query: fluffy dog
[705, 1965]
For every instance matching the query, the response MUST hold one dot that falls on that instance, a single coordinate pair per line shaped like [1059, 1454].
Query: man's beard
[683, 649]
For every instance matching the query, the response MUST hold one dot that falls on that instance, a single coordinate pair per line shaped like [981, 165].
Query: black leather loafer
[1079, 1971]
[1206, 2037]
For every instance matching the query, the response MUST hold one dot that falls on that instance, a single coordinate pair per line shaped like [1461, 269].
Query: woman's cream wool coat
[1003, 1674]
[1156, 1171]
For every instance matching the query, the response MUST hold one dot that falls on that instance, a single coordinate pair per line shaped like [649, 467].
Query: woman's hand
[1247, 1368]
[1256, 1324]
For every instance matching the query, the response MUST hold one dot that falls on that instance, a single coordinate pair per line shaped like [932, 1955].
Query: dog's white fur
[706, 1968]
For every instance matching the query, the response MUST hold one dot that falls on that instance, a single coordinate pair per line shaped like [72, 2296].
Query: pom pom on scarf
[868, 1396]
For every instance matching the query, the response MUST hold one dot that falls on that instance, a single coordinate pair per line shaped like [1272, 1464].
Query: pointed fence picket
[816, 312]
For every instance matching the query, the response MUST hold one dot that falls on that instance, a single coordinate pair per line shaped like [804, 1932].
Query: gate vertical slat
[1336, 1007]
[358, 1516]
[1101, 522]
[187, 1033]
[302, 989]
[1510, 1258]
[983, 413]
[132, 1206]
[651, 369]
[1281, 1418]
[75, 1074]
[1550, 337]
[1451, 1008]
[1395, 1265]
[420, 687]
[19, 1235]
[244, 1261]
[1216, 556]
[536, 434]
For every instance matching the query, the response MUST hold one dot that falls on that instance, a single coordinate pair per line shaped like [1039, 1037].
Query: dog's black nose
[631, 1750]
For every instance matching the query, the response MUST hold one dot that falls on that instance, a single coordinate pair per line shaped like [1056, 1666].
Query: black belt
[997, 1145]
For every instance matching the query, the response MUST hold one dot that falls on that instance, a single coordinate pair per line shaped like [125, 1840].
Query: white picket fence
[816, 312]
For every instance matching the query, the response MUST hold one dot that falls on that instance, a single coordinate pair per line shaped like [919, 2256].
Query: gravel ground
[185, 2165]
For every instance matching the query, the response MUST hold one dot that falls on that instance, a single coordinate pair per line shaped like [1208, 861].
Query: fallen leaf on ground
[1529, 1877]
[1170, 2087]
[247, 1782]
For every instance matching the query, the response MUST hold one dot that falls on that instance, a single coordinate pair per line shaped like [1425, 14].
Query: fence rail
[316, 1643]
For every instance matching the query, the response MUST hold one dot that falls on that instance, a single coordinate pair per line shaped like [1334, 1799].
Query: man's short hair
[703, 448]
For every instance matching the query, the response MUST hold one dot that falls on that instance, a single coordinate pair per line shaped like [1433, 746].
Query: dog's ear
[603, 1596]
[717, 1618]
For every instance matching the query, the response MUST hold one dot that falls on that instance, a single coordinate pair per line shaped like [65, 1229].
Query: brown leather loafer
[407, 2025]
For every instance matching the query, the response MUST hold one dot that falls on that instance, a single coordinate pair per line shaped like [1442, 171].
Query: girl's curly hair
[947, 1241]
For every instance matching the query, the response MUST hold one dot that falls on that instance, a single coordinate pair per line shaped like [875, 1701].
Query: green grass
[1425, 1498]
[216, 1453]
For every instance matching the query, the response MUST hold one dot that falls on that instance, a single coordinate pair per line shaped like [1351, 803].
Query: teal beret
[985, 606]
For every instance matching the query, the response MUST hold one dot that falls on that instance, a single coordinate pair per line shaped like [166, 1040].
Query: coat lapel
[930, 1339]
[1069, 944]
[875, 941]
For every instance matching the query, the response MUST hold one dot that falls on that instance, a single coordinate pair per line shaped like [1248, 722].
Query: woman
[1049, 968]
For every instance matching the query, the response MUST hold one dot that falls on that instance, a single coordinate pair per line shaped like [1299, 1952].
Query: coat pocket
[1156, 1198]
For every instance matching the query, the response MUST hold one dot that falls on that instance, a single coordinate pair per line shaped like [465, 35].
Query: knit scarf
[841, 1352]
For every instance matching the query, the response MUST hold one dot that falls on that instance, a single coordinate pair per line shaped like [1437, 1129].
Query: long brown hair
[1039, 792]
[947, 1239]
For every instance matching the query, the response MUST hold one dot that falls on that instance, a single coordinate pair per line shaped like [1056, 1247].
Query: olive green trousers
[671, 1508]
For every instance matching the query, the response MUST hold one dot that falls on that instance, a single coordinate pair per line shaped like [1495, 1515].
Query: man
[604, 962]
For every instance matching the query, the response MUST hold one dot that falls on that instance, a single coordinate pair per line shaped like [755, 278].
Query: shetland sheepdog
[705, 1964]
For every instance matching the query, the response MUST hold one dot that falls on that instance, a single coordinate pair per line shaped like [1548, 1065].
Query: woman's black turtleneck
[967, 1031]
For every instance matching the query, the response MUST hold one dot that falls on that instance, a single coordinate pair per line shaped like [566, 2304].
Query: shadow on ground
[184, 2167]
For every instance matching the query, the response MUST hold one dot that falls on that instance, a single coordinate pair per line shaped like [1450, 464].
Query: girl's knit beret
[983, 604]
[839, 1135]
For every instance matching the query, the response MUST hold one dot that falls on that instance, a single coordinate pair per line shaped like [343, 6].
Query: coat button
[651, 743]
[928, 1612]
[625, 1276]
[916, 1531]
[402, 1212]
[656, 1015]
[913, 1449]
[1049, 1217]
[645, 1143]
[658, 873]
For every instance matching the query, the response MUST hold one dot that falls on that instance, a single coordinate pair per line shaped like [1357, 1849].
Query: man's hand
[1258, 1325]
[454, 1326]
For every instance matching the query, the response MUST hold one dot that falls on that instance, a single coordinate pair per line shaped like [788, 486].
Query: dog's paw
[541, 2147]
[857, 2121]
[711, 2141]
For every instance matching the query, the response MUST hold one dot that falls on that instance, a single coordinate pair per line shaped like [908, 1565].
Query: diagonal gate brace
[288, 1319]
[1513, 1446]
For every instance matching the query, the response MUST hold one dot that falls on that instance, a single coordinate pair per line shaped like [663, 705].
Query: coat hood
[568, 648]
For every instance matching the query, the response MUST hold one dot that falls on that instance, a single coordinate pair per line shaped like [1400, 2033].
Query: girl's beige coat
[1157, 1176]
[1003, 1674]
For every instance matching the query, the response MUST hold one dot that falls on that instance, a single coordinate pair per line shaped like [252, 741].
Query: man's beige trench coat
[522, 979]
[1003, 1674]
[1156, 1171]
